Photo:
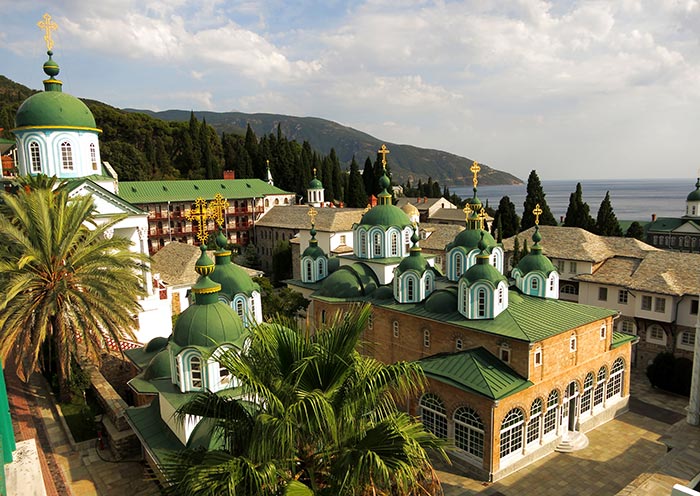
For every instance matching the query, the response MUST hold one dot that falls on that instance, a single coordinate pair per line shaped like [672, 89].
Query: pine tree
[507, 218]
[498, 227]
[516, 252]
[368, 177]
[578, 213]
[606, 222]
[635, 230]
[535, 196]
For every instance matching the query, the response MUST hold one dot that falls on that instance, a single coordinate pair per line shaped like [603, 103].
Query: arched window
[395, 328]
[394, 244]
[616, 376]
[363, 243]
[533, 425]
[35, 157]
[458, 264]
[377, 242]
[512, 432]
[433, 415]
[240, 309]
[178, 371]
[534, 284]
[321, 266]
[426, 338]
[428, 283]
[469, 431]
[410, 288]
[550, 416]
[309, 270]
[500, 295]
[465, 298]
[600, 387]
[196, 372]
[67, 156]
[587, 394]
[93, 156]
[459, 344]
[481, 303]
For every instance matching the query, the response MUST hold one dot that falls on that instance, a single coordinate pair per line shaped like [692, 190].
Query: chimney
[561, 219]
[425, 199]
[229, 174]
[653, 217]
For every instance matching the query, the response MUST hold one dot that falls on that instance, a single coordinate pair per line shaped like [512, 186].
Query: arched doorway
[569, 407]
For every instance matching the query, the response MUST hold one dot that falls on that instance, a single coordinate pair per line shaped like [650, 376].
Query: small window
[459, 345]
[646, 302]
[656, 335]
[622, 296]
[560, 266]
[686, 340]
[693, 307]
[505, 353]
[93, 156]
[395, 328]
[426, 338]
[67, 156]
[370, 321]
[660, 305]
[538, 357]
[628, 327]
[573, 268]
[35, 157]
[323, 316]
[342, 239]
[603, 331]
[602, 294]
[534, 284]
[572, 343]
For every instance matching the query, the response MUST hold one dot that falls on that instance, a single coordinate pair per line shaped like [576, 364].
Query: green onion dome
[313, 250]
[482, 270]
[232, 278]
[695, 195]
[315, 184]
[53, 108]
[415, 260]
[442, 301]
[158, 367]
[208, 325]
[385, 215]
[535, 260]
[350, 281]
[469, 239]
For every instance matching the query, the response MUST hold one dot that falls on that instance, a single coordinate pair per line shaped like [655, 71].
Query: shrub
[670, 373]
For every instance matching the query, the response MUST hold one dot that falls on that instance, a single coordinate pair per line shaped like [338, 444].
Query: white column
[694, 403]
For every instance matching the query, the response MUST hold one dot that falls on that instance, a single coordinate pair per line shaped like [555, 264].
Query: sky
[576, 90]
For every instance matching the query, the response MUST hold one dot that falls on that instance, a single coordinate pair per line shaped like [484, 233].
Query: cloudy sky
[576, 90]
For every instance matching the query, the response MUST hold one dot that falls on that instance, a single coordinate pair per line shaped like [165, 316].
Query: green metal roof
[475, 371]
[154, 434]
[386, 215]
[209, 325]
[164, 191]
[349, 281]
[620, 338]
[469, 239]
[666, 224]
[527, 318]
[74, 184]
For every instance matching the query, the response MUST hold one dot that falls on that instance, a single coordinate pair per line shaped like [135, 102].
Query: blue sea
[634, 199]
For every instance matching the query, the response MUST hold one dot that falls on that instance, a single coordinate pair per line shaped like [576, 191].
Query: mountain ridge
[407, 162]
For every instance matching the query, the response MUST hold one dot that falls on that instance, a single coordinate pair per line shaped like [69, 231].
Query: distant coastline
[633, 199]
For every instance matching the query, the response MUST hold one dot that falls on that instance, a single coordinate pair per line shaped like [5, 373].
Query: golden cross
[312, 215]
[217, 209]
[47, 25]
[475, 170]
[199, 214]
[467, 210]
[268, 163]
[537, 211]
[314, 172]
[481, 217]
[383, 151]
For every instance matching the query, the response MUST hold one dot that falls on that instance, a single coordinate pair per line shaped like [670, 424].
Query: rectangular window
[560, 266]
[573, 268]
[660, 305]
[622, 296]
[572, 344]
[342, 239]
[694, 307]
[426, 338]
[505, 355]
[686, 340]
[646, 302]
[603, 294]
[538, 358]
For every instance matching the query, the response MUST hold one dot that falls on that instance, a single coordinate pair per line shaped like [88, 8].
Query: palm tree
[311, 416]
[66, 284]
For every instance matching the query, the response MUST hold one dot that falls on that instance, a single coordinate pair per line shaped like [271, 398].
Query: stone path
[67, 471]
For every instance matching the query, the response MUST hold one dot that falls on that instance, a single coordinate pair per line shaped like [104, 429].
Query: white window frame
[653, 339]
[469, 432]
[538, 357]
[433, 415]
[686, 340]
[622, 296]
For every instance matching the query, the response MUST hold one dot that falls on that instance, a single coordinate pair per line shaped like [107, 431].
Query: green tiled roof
[164, 191]
[155, 435]
[475, 371]
[620, 338]
[527, 318]
[666, 224]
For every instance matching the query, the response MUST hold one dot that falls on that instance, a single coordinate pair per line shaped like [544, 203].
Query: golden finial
[312, 215]
[537, 211]
[199, 214]
[314, 172]
[217, 209]
[481, 217]
[467, 210]
[383, 151]
[47, 25]
[268, 163]
[475, 168]
[367, 208]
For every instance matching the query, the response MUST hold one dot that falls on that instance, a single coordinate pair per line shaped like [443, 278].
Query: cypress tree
[507, 218]
[578, 213]
[606, 222]
[516, 252]
[368, 177]
[535, 196]
[355, 196]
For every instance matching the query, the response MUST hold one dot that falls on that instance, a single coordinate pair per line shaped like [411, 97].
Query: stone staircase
[572, 441]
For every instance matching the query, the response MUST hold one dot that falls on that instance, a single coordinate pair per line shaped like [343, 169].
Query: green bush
[670, 373]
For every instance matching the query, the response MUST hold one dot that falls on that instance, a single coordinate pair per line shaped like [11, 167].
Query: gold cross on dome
[475, 168]
[314, 172]
[383, 151]
[47, 25]
[199, 213]
[217, 209]
[312, 215]
[482, 217]
[467, 210]
[537, 211]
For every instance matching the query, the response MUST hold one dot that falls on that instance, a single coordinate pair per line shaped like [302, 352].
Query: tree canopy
[606, 223]
[535, 196]
[578, 213]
